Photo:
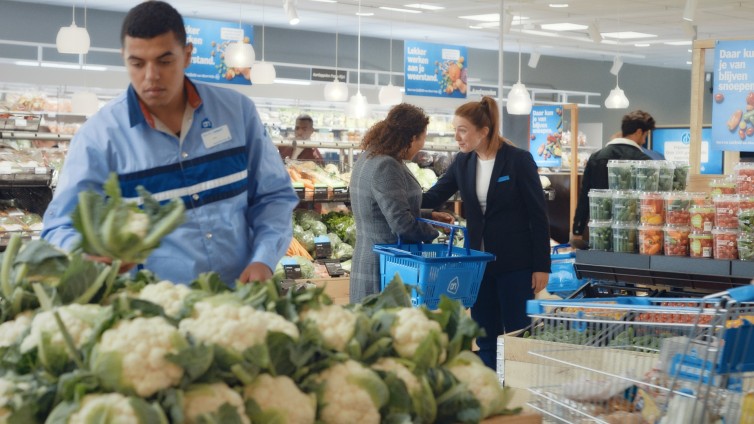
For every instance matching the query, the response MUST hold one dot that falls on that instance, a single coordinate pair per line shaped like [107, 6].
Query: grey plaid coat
[386, 200]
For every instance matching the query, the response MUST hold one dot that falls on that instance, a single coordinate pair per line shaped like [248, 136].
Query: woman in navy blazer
[506, 215]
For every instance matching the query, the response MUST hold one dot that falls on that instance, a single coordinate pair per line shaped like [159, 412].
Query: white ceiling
[714, 19]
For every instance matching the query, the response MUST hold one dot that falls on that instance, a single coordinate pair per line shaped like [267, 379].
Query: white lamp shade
[73, 40]
[390, 95]
[263, 73]
[239, 55]
[358, 107]
[519, 100]
[336, 91]
[85, 103]
[617, 99]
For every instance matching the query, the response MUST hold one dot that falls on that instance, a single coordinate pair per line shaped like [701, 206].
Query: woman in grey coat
[385, 196]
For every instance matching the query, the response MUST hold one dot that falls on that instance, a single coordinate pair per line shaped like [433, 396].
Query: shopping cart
[640, 359]
[563, 281]
[435, 269]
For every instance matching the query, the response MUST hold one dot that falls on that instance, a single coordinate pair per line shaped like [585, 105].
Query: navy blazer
[514, 227]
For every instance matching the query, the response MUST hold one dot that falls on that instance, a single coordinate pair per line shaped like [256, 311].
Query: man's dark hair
[637, 120]
[150, 19]
[305, 118]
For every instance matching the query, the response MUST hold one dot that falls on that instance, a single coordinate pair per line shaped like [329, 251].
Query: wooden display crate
[522, 418]
[337, 288]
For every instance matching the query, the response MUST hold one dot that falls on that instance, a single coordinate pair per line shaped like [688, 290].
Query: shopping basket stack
[435, 269]
[641, 359]
[563, 281]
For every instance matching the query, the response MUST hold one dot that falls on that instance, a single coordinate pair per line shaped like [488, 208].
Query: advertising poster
[733, 94]
[210, 39]
[545, 134]
[673, 143]
[435, 70]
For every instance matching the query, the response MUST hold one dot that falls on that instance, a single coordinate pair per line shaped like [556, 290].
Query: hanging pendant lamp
[73, 39]
[617, 98]
[336, 91]
[263, 72]
[390, 95]
[358, 107]
[519, 100]
[239, 54]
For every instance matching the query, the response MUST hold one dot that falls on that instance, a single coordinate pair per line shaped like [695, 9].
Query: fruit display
[676, 240]
[702, 218]
[650, 239]
[726, 210]
[722, 186]
[652, 208]
[677, 208]
[725, 243]
[700, 245]
[744, 176]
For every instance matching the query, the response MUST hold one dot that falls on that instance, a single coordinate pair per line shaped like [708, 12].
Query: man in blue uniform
[203, 144]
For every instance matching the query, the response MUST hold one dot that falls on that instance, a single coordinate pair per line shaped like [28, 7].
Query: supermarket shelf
[30, 135]
[691, 274]
[42, 179]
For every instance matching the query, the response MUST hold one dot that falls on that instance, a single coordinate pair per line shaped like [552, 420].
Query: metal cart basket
[645, 360]
[435, 269]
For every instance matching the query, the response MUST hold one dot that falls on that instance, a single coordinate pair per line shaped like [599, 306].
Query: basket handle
[392, 251]
[452, 234]
[558, 247]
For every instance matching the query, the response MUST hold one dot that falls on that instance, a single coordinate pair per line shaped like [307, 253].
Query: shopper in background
[303, 131]
[506, 215]
[385, 196]
[176, 138]
[635, 127]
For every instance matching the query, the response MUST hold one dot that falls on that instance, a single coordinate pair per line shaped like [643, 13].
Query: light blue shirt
[237, 193]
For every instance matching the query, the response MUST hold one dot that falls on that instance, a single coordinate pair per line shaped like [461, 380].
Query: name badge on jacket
[216, 136]
[503, 178]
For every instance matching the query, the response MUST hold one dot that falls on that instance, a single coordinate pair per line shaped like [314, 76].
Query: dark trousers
[501, 308]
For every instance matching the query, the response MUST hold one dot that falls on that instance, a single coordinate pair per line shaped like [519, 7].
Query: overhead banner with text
[210, 39]
[545, 134]
[733, 93]
[435, 70]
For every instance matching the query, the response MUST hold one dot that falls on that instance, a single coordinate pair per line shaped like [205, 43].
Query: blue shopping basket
[563, 280]
[435, 269]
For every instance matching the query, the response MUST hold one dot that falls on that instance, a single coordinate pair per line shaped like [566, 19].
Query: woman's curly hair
[393, 135]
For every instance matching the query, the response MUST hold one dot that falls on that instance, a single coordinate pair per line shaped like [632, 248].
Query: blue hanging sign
[435, 70]
[544, 135]
[210, 39]
[733, 94]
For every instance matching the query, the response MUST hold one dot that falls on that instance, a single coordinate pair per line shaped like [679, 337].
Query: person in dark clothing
[634, 129]
[303, 130]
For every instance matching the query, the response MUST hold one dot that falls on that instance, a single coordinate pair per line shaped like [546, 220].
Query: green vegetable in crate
[746, 221]
[647, 176]
[600, 236]
[114, 228]
[624, 238]
[600, 204]
[625, 207]
[620, 175]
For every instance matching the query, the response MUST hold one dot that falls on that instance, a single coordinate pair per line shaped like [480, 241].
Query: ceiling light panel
[564, 26]
[425, 6]
[398, 9]
[558, 5]
[628, 35]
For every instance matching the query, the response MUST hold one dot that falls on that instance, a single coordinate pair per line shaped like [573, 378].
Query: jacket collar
[623, 141]
[138, 112]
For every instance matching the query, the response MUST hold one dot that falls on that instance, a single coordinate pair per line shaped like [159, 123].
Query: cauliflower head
[11, 331]
[412, 328]
[351, 393]
[79, 320]
[114, 408]
[235, 327]
[335, 323]
[422, 400]
[130, 356]
[481, 381]
[203, 399]
[166, 294]
[279, 400]
[400, 370]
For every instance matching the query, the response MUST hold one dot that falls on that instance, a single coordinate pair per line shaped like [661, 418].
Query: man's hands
[256, 271]
[539, 281]
[578, 242]
[124, 267]
[443, 217]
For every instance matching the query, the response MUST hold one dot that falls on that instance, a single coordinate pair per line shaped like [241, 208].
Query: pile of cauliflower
[138, 350]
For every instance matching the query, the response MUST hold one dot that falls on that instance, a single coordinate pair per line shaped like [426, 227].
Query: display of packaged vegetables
[745, 202]
[722, 186]
[646, 175]
[746, 247]
[677, 208]
[667, 174]
[744, 174]
[746, 221]
[600, 204]
[724, 242]
[624, 238]
[652, 208]
[620, 174]
[600, 235]
[626, 206]
[650, 239]
[676, 240]
[700, 245]
[726, 210]
[700, 199]
[680, 176]
[702, 218]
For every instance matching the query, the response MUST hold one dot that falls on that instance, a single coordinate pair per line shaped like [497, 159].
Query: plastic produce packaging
[600, 235]
[646, 175]
[744, 173]
[725, 243]
[722, 186]
[746, 247]
[652, 208]
[700, 245]
[702, 218]
[677, 208]
[676, 240]
[650, 239]
[626, 206]
[745, 202]
[624, 238]
[700, 199]
[600, 204]
[667, 174]
[620, 174]
[726, 210]
[746, 222]
[680, 176]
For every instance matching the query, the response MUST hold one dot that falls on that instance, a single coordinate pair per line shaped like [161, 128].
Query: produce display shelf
[42, 178]
[693, 274]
